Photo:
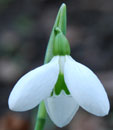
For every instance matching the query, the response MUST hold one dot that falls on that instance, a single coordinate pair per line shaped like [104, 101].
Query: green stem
[41, 117]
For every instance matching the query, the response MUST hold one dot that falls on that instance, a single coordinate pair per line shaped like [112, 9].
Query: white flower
[85, 90]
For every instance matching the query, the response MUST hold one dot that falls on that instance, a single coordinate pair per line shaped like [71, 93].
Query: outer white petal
[86, 88]
[34, 86]
[61, 108]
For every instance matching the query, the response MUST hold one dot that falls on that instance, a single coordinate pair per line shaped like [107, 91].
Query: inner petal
[60, 84]
[61, 108]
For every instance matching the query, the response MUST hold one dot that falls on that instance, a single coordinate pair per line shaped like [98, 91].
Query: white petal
[86, 88]
[34, 86]
[61, 108]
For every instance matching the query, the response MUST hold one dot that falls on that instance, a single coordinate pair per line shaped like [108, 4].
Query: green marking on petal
[60, 85]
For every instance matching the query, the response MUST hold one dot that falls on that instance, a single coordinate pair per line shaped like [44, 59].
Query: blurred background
[25, 27]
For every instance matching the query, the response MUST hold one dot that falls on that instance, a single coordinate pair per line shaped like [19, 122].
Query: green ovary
[60, 85]
[61, 45]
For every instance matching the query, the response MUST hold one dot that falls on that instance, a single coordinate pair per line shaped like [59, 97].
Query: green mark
[60, 85]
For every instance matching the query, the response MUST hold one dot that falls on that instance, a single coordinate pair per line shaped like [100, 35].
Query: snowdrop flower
[64, 85]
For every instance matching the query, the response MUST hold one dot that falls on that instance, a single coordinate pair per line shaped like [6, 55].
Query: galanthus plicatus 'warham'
[64, 85]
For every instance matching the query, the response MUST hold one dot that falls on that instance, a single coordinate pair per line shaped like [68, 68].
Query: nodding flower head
[64, 85]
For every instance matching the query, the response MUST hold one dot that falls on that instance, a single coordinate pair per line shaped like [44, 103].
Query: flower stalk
[41, 117]
[60, 23]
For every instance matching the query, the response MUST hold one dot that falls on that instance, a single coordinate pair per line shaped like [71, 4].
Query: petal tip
[106, 110]
[102, 110]
[11, 104]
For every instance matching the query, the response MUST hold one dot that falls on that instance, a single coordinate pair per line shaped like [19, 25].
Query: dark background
[25, 27]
